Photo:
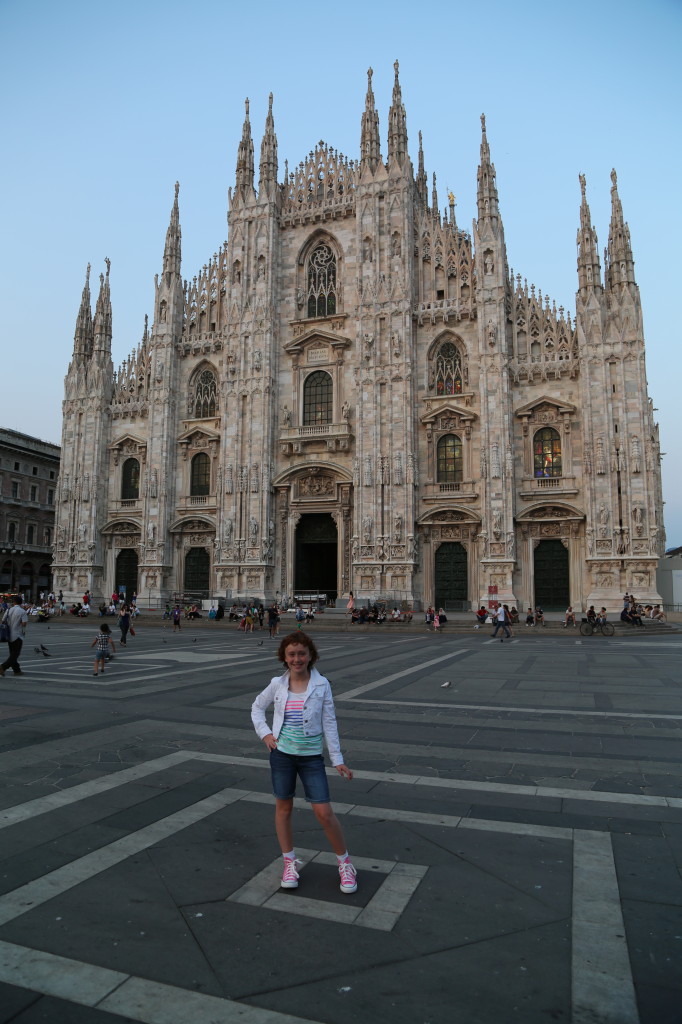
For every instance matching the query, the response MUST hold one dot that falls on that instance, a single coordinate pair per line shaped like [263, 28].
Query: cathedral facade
[356, 394]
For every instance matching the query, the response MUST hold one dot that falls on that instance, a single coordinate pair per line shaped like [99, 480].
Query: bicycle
[587, 628]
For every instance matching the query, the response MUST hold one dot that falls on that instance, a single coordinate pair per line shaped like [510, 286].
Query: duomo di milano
[355, 393]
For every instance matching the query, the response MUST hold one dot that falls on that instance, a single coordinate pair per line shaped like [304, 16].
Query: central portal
[316, 556]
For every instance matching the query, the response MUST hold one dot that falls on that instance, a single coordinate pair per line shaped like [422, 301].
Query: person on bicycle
[591, 614]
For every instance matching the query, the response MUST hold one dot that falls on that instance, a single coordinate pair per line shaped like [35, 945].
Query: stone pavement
[518, 834]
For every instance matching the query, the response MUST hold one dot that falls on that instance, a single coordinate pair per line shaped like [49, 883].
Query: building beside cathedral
[355, 393]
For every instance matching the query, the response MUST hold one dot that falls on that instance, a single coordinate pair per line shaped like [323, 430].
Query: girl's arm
[93, 642]
[331, 733]
[258, 709]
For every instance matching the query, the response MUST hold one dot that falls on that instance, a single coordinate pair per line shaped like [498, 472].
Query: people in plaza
[569, 617]
[481, 616]
[273, 620]
[602, 617]
[16, 620]
[592, 615]
[303, 720]
[514, 615]
[501, 622]
[658, 614]
[530, 618]
[176, 616]
[350, 606]
[102, 642]
[539, 616]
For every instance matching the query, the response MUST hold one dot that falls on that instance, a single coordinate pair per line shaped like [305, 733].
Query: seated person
[601, 618]
[569, 617]
[219, 613]
[355, 615]
[442, 617]
[635, 617]
[513, 615]
[481, 616]
[658, 614]
[364, 615]
[539, 617]
[626, 616]
[395, 615]
[212, 613]
[102, 610]
[530, 618]
[592, 615]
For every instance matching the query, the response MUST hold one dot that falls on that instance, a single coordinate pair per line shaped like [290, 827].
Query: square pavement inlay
[382, 911]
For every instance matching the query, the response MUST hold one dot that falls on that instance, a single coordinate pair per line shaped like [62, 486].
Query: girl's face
[297, 657]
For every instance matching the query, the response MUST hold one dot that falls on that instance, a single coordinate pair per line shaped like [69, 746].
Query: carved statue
[82, 533]
[61, 536]
[345, 411]
[367, 524]
[604, 514]
[286, 416]
[229, 483]
[398, 468]
[228, 527]
[491, 332]
[253, 530]
[151, 531]
[495, 459]
[636, 454]
[497, 524]
[510, 545]
[367, 474]
[397, 528]
[589, 533]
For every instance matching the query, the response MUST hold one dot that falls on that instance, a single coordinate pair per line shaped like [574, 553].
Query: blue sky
[107, 105]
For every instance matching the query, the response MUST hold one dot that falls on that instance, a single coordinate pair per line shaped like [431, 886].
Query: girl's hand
[270, 741]
[344, 770]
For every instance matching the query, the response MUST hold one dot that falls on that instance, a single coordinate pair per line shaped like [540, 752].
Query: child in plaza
[103, 641]
[303, 718]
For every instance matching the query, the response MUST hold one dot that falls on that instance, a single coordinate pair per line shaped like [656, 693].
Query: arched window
[205, 395]
[547, 452]
[448, 370]
[321, 282]
[449, 458]
[317, 398]
[130, 480]
[200, 482]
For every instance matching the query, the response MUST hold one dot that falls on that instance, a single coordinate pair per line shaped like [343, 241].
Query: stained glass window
[448, 370]
[205, 395]
[321, 282]
[547, 452]
[449, 453]
[317, 398]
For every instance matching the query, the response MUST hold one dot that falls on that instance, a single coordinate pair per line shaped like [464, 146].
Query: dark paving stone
[647, 871]
[48, 1010]
[503, 980]
[658, 1005]
[124, 919]
[13, 1000]
[653, 933]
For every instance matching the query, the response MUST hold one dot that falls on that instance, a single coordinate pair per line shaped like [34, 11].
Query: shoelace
[290, 872]
[347, 872]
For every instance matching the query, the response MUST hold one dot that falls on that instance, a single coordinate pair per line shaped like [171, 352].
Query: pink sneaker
[347, 874]
[290, 874]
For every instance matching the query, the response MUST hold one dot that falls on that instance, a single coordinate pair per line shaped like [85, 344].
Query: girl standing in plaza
[103, 642]
[303, 719]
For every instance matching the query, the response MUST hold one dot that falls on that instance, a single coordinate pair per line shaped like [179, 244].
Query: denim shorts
[100, 656]
[310, 770]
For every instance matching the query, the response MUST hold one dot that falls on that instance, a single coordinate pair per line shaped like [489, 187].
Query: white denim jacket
[318, 711]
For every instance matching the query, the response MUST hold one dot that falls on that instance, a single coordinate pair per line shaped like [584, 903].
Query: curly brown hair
[301, 638]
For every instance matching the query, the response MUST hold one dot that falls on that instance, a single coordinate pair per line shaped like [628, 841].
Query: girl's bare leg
[285, 835]
[332, 828]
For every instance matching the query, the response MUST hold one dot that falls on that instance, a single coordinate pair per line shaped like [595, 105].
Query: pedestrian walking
[303, 720]
[16, 620]
[102, 642]
[501, 623]
[124, 622]
[176, 615]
